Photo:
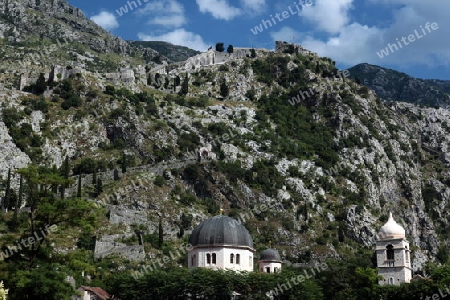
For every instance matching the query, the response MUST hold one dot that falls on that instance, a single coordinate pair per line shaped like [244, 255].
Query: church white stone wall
[269, 267]
[221, 258]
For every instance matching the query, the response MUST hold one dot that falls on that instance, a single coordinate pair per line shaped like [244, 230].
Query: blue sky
[348, 31]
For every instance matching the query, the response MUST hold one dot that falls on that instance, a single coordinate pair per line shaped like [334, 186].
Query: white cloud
[328, 15]
[351, 43]
[169, 13]
[106, 20]
[355, 44]
[219, 9]
[254, 6]
[178, 37]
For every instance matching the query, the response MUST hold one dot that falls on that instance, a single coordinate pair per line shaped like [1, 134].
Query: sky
[411, 36]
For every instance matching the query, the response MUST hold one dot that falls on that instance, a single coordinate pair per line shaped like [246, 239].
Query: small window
[238, 259]
[231, 258]
[390, 252]
[250, 261]
[275, 270]
[391, 281]
[214, 258]
[208, 258]
[267, 269]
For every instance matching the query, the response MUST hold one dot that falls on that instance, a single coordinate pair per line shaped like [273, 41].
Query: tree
[185, 86]
[79, 186]
[124, 162]
[160, 233]
[224, 90]
[230, 49]
[17, 205]
[45, 208]
[40, 86]
[220, 47]
[94, 177]
[99, 187]
[65, 172]
[36, 270]
[176, 81]
[7, 192]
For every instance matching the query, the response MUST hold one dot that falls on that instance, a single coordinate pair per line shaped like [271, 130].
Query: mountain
[125, 155]
[392, 85]
[173, 52]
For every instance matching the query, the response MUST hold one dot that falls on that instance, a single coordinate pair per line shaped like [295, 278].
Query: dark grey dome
[219, 231]
[270, 254]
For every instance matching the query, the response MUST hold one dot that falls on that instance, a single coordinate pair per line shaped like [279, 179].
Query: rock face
[107, 246]
[393, 86]
[11, 157]
[18, 24]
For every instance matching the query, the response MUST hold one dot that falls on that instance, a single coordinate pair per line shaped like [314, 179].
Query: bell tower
[393, 254]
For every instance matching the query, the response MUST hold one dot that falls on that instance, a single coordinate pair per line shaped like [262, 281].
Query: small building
[221, 242]
[270, 261]
[92, 293]
[393, 254]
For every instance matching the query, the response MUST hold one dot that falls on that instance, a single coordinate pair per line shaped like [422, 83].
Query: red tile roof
[99, 292]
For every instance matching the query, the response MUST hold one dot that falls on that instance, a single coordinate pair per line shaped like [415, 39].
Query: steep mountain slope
[396, 86]
[161, 147]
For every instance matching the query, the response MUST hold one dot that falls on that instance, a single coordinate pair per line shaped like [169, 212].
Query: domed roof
[219, 231]
[391, 230]
[270, 254]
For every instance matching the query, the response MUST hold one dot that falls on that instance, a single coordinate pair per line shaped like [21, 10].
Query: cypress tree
[160, 233]
[124, 163]
[224, 90]
[5, 202]
[79, 186]
[65, 171]
[94, 177]
[99, 187]
[18, 204]
[185, 86]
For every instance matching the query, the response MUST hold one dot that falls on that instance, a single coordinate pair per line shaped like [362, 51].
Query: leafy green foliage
[178, 283]
[23, 135]
[297, 135]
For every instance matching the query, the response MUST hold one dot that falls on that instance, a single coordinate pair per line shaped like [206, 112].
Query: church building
[393, 254]
[221, 242]
[270, 261]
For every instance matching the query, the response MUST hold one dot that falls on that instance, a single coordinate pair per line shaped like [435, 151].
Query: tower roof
[221, 231]
[270, 254]
[391, 230]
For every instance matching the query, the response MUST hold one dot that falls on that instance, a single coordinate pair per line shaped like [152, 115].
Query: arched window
[275, 270]
[193, 262]
[231, 258]
[391, 281]
[390, 252]
[406, 254]
[250, 261]
[267, 269]
[238, 259]
[208, 258]
[214, 258]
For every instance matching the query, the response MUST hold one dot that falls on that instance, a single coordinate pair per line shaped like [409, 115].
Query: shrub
[160, 181]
